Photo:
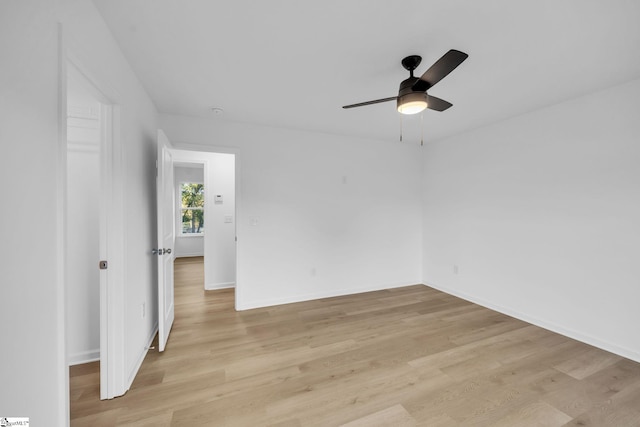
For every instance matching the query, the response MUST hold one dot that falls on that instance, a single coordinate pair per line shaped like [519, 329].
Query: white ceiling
[294, 63]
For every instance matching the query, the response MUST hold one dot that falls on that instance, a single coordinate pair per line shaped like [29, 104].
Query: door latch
[160, 251]
[103, 265]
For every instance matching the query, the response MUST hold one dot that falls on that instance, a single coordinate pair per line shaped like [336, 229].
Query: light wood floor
[402, 357]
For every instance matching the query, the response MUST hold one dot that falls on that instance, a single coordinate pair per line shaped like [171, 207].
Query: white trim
[62, 377]
[320, 295]
[189, 255]
[554, 327]
[189, 235]
[84, 357]
[223, 285]
[205, 149]
[208, 195]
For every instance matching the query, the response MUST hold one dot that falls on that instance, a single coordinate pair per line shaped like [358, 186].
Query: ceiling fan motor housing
[407, 95]
[406, 86]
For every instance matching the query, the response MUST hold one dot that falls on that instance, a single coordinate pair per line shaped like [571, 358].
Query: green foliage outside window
[192, 208]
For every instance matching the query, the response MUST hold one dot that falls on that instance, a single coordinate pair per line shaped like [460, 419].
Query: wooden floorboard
[411, 356]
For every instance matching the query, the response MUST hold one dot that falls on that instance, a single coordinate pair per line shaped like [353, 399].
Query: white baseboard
[567, 332]
[188, 255]
[141, 356]
[248, 305]
[83, 357]
[223, 285]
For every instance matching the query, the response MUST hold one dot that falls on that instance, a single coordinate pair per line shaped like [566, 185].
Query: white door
[166, 238]
[107, 308]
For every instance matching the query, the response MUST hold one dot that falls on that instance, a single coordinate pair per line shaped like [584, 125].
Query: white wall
[540, 214]
[189, 245]
[33, 368]
[31, 303]
[220, 234]
[333, 215]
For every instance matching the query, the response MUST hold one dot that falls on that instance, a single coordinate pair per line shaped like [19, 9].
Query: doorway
[216, 237]
[88, 224]
[83, 234]
[216, 213]
[189, 211]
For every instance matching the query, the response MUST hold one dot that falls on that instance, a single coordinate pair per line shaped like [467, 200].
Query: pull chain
[421, 129]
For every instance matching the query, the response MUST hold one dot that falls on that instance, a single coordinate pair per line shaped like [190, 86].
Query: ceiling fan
[412, 97]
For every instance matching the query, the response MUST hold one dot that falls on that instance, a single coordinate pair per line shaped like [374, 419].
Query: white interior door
[107, 330]
[166, 238]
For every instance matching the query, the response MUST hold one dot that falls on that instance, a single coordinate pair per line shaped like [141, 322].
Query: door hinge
[103, 265]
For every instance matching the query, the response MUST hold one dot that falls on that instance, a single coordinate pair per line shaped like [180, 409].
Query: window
[192, 208]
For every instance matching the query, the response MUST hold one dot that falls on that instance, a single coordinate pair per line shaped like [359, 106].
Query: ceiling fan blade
[437, 104]
[439, 70]
[377, 101]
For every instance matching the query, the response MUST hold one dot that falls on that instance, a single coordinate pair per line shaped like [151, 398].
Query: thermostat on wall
[218, 198]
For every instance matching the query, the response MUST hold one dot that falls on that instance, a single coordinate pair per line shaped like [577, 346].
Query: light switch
[218, 198]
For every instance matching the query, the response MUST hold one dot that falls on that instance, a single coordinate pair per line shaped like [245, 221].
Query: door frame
[112, 357]
[61, 233]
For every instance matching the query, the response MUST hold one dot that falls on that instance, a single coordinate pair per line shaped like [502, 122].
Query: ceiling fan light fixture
[412, 103]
